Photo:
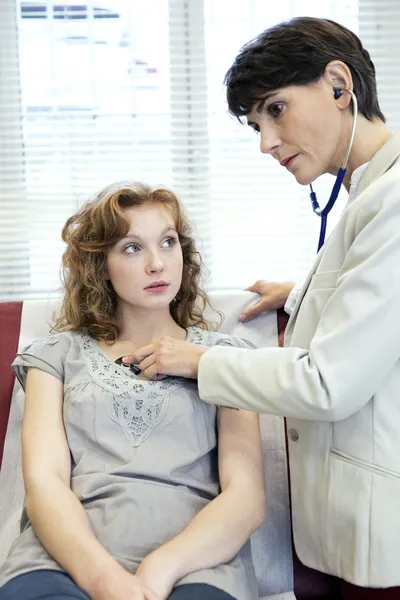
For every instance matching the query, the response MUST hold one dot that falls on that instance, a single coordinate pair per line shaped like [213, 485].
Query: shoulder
[377, 207]
[383, 192]
[217, 338]
[48, 354]
[54, 342]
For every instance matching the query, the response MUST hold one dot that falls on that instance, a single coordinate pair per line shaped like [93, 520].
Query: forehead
[149, 217]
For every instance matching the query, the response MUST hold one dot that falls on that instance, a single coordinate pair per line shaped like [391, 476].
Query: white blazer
[338, 382]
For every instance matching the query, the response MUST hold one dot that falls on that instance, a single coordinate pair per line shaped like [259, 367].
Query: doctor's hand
[273, 296]
[168, 356]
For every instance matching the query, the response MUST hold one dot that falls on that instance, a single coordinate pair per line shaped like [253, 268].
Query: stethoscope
[132, 366]
[340, 176]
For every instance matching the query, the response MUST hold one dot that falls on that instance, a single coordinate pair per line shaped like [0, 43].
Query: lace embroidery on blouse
[138, 404]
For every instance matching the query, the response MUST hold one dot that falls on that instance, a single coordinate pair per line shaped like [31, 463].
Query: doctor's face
[302, 128]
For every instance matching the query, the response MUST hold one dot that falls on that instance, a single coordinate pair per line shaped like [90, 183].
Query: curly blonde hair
[89, 299]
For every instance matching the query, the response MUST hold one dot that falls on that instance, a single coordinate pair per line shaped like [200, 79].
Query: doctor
[337, 380]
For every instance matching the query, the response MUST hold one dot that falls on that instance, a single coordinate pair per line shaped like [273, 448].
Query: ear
[338, 75]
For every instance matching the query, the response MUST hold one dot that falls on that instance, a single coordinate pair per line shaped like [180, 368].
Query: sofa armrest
[10, 322]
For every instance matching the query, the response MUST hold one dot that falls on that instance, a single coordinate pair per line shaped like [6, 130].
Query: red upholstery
[10, 322]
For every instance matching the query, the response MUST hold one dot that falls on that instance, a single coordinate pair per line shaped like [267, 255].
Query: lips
[157, 285]
[286, 161]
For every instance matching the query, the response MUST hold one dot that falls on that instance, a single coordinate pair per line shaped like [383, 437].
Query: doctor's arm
[355, 345]
[218, 531]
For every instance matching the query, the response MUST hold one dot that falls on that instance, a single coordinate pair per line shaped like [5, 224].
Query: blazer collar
[380, 163]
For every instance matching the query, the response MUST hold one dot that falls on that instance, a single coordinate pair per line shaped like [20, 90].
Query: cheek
[120, 272]
[177, 264]
[318, 136]
[180, 261]
[324, 124]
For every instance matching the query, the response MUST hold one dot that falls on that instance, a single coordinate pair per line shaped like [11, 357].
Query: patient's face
[145, 267]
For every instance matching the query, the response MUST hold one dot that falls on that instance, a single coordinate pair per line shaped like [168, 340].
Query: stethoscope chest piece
[132, 367]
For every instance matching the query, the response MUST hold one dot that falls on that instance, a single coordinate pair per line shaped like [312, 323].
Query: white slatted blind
[95, 92]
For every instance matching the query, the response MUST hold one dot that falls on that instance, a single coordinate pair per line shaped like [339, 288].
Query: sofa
[279, 573]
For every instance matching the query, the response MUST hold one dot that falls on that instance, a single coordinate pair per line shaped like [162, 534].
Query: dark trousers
[55, 585]
[310, 584]
[353, 592]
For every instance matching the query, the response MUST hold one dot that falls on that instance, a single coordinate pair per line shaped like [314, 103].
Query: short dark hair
[296, 52]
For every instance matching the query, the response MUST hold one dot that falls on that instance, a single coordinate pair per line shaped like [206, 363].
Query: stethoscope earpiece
[337, 92]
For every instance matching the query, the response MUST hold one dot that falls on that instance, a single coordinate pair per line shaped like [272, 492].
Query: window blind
[92, 93]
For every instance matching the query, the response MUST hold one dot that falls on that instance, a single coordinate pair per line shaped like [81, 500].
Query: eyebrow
[132, 235]
[261, 105]
[262, 102]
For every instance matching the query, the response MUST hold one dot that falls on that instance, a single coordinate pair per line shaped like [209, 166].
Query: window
[97, 92]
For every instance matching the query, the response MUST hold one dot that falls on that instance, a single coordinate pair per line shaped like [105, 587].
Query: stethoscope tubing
[324, 212]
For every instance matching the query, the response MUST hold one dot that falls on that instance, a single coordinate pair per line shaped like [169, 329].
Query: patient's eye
[169, 242]
[131, 248]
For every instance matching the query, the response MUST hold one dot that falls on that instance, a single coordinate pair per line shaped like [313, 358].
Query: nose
[269, 141]
[155, 263]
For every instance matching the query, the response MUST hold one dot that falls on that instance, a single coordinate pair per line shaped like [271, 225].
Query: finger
[150, 595]
[147, 362]
[153, 374]
[253, 311]
[128, 359]
[251, 288]
[140, 354]
[255, 287]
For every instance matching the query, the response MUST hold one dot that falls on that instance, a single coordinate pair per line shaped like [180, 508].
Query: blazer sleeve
[355, 345]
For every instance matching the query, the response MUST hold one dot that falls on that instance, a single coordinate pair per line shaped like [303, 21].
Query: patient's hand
[120, 584]
[273, 296]
[168, 356]
[154, 571]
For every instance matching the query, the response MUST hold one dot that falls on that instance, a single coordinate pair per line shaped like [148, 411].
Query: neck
[370, 136]
[143, 326]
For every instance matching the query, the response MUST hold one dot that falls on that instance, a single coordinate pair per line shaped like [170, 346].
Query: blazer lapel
[301, 295]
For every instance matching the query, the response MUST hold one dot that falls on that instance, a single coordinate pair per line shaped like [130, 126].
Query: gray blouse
[144, 457]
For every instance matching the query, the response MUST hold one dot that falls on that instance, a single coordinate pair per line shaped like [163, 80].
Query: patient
[127, 495]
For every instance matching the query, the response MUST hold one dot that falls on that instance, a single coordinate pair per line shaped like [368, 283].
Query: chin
[159, 302]
[303, 179]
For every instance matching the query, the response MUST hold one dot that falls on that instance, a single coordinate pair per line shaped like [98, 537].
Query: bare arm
[218, 532]
[57, 516]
